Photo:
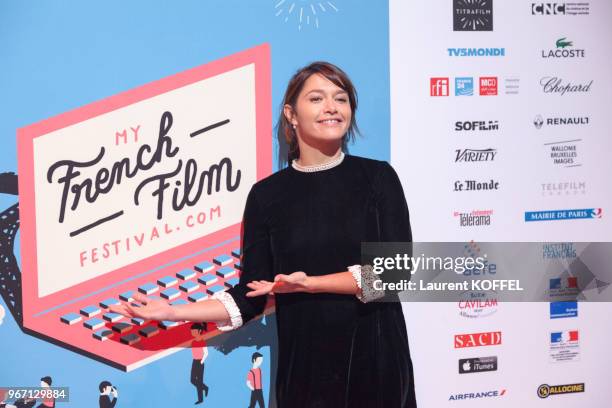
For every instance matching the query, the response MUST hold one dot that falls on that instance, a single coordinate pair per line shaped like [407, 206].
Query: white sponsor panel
[496, 124]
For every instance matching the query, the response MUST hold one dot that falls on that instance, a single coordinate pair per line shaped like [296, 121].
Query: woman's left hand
[295, 282]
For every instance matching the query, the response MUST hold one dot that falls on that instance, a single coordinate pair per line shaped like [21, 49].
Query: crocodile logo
[561, 43]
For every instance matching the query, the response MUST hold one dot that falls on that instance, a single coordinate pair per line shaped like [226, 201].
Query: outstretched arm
[157, 309]
[393, 226]
[341, 283]
[229, 309]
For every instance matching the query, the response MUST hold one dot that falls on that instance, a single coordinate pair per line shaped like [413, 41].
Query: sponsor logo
[476, 52]
[488, 268]
[473, 185]
[539, 121]
[475, 155]
[474, 218]
[564, 153]
[477, 395]
[472, 15]
[555, 9]
[556, 215]
[563, 287]
[488, 86]
[477, 125]
[563, 49]
[564, 188]
[558, 86]
[477, 364]
[562, 250]
[560, 310]
[512, 85]
[439, 86]
[545, 390]
[567, 283]
[472, 250]
[564, 346]
[477, 304]
[478, 339]
[464, 86]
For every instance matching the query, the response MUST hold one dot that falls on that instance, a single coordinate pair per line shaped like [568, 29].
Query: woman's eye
[315, 99]
[342, 100]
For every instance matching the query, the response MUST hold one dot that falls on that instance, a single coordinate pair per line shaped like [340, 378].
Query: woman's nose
[330, 105]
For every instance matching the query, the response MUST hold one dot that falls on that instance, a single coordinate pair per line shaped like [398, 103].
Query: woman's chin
[329, 137]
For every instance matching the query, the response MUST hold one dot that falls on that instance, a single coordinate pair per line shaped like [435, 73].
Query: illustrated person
[3, 401]
[106, 390]
[301, 241]
[48, 402]
[2, 314]
[19, 403]
[254, 381]
[199, 352]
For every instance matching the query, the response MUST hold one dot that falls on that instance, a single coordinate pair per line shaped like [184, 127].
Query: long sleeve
[256, 265]
[393, 216]
[393, 219]
[392, 224]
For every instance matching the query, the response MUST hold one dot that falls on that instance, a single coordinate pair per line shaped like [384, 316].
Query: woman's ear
[290, 115]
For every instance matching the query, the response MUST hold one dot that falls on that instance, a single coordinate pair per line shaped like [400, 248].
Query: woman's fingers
[118, 309]
[259, 288]
[258, 284]
[259, 292]
[282, 284]
[121, 309]
[138, 311]
[141, 298]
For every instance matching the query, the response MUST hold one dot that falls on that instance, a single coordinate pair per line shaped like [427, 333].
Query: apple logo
[466, 366]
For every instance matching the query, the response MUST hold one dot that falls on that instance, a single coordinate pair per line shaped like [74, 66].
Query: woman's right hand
[149, 309]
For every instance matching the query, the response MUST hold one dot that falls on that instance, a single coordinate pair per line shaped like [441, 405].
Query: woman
[302, 233]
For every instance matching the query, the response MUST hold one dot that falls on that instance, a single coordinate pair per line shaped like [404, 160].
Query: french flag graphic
[570, 336]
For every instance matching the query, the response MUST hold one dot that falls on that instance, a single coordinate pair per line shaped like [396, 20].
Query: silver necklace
[318, 167]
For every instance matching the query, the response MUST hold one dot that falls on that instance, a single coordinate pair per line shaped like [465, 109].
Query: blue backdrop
[58, 55]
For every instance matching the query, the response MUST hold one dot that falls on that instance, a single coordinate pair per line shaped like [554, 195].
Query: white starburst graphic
[305, 12]
[478, 18]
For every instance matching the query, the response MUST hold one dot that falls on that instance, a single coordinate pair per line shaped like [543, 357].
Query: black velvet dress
[334, 351]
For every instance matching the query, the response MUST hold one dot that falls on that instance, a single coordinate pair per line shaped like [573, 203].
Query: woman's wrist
[312, 284]
[175, 314]
[339, 283]
[210, 310]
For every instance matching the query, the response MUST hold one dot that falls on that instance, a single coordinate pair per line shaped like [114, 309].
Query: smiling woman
[319, 104]
[322, 112]
[302, 233]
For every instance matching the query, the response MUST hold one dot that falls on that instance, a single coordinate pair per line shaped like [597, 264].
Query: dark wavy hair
[288, 148]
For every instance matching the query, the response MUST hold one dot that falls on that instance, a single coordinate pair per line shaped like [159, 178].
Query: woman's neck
[318, 155]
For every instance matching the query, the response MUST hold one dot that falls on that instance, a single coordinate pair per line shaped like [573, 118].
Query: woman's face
[322, 111]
